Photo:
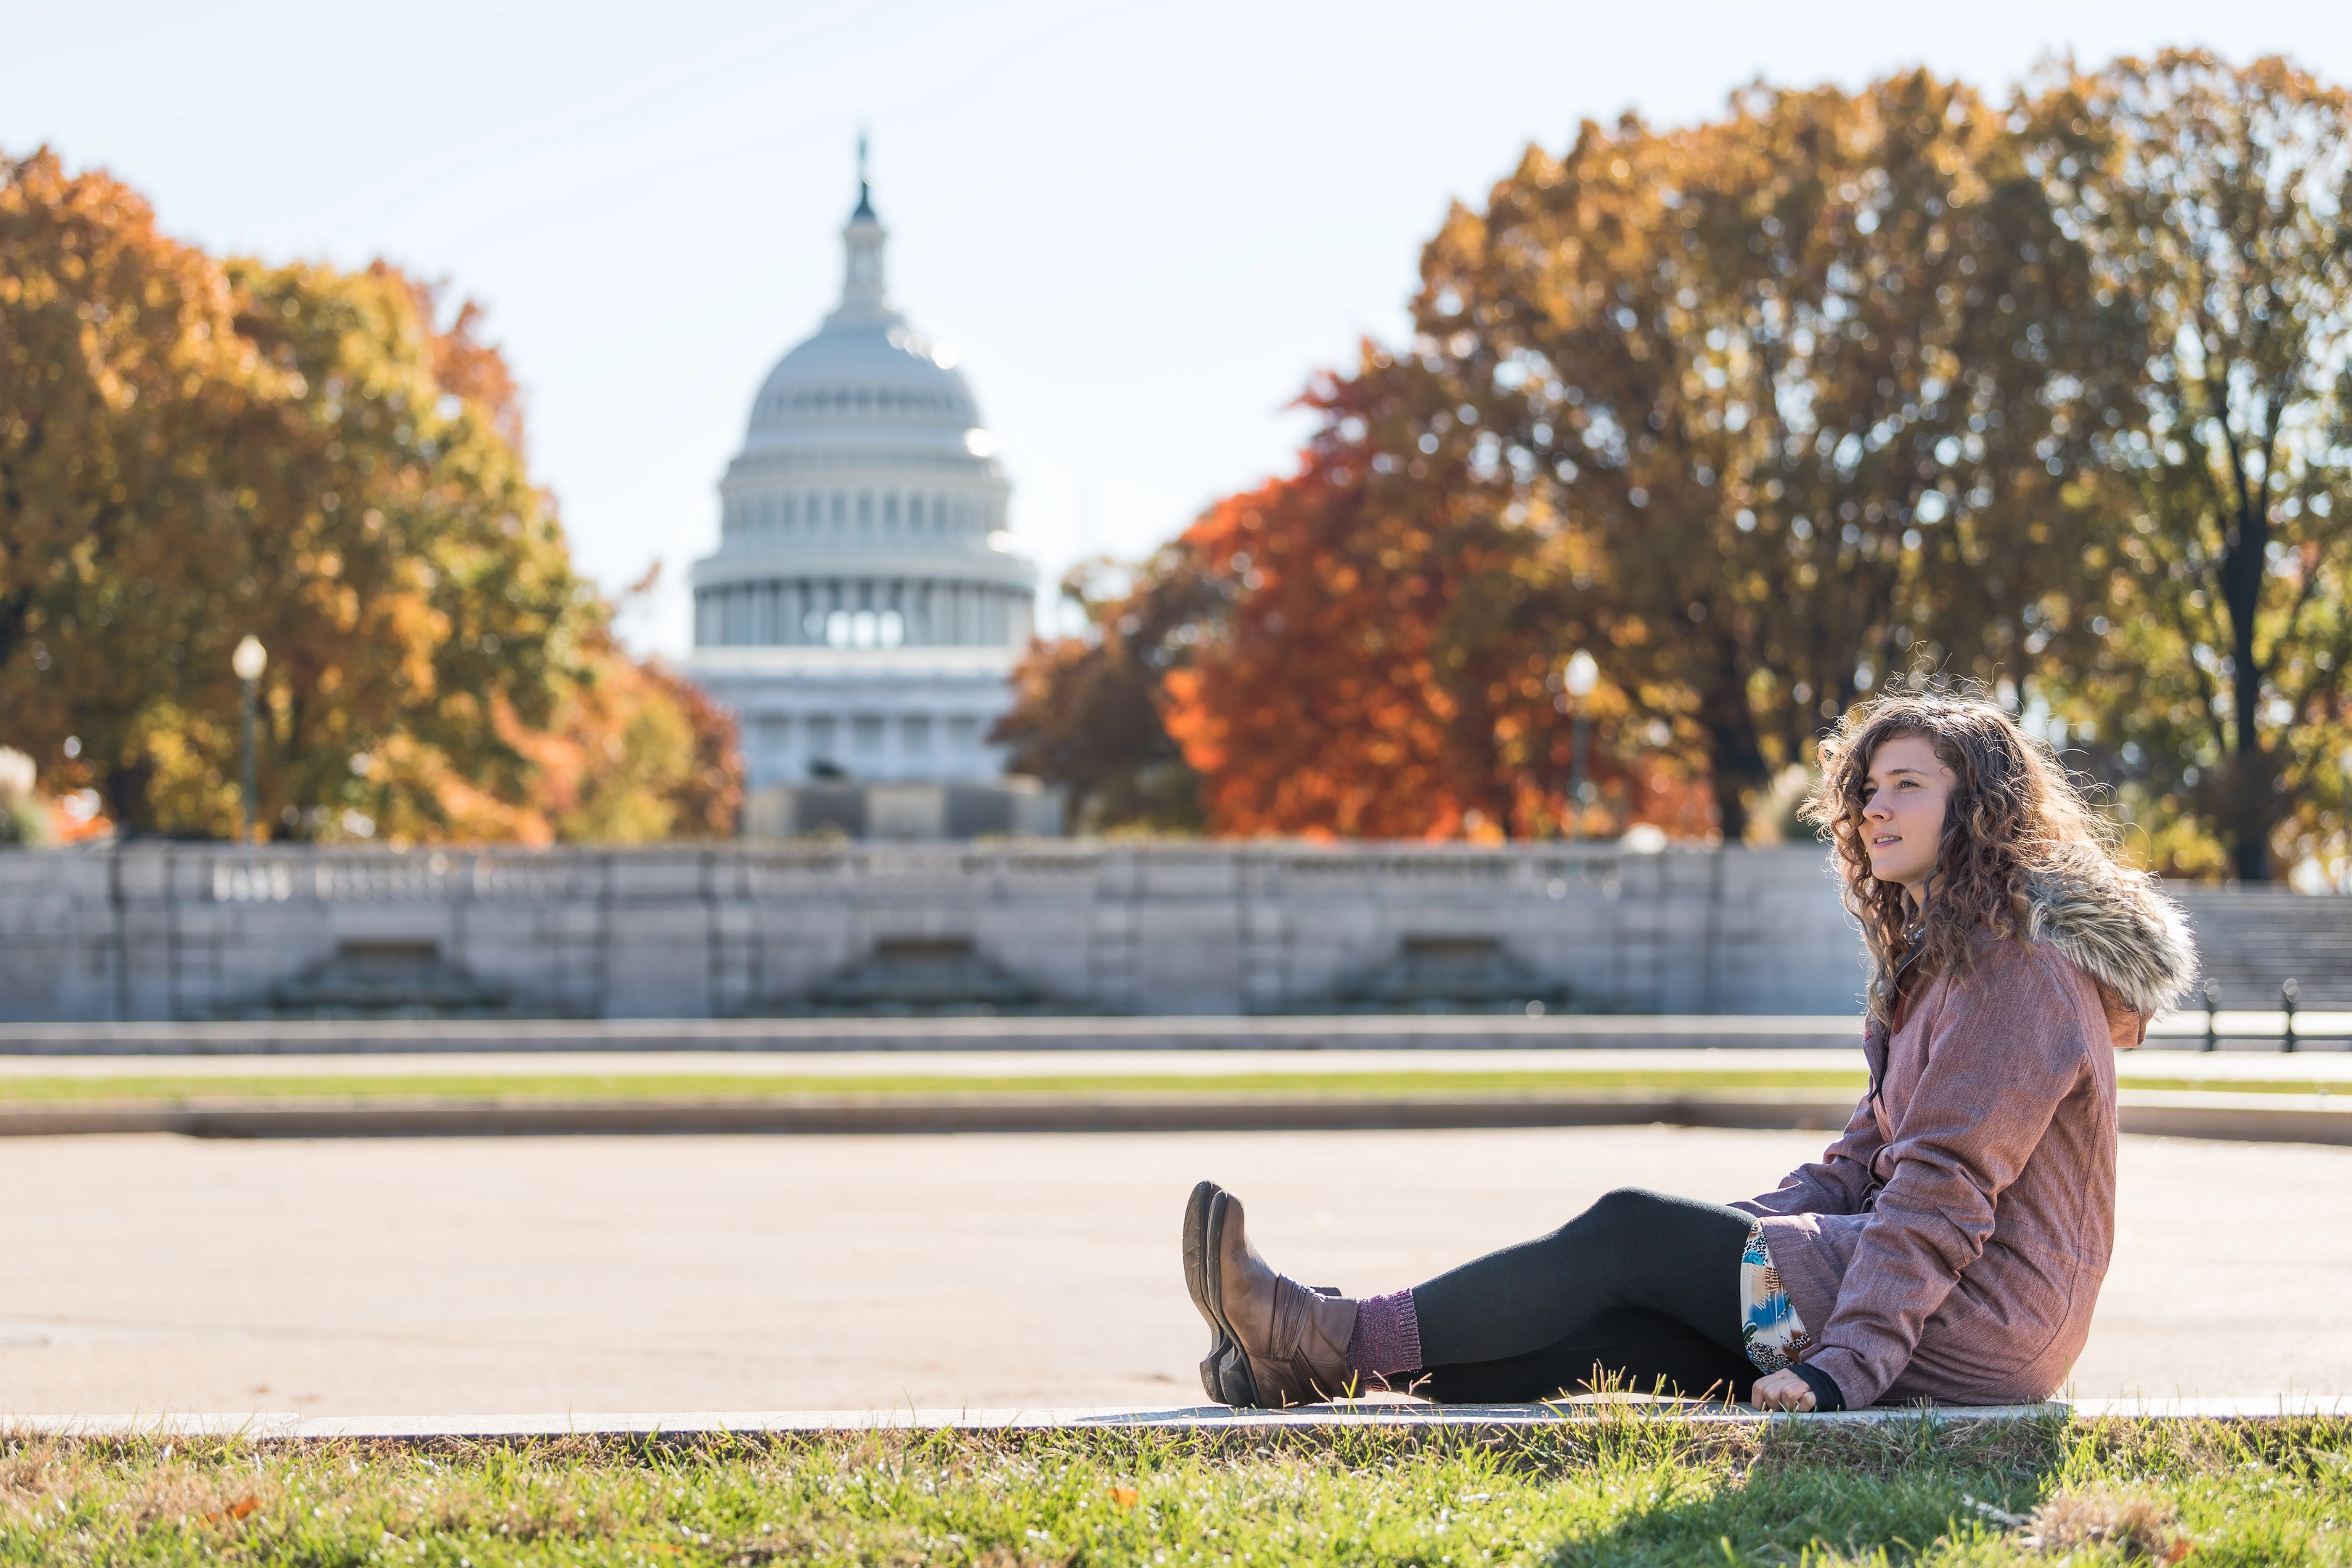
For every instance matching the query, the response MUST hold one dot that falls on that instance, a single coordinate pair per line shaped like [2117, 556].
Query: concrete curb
[2255, 1118]
[2302, 1119]
[386, 1117]
[276, 1426]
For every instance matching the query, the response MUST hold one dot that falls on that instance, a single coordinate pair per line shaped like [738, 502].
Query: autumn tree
[1316, 709]
[2215, 204]
[702, 784]
[1330, 699]
[1781, 404]
[120, 369]
[1831, 391]
[633, 753]
[192, 451]
[1762, 413]
[1089, 710]
[1378, 669]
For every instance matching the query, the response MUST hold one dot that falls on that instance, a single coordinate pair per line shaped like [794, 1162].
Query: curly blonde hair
[2014, 816]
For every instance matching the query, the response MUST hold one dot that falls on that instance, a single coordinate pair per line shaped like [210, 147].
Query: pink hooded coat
[1950, 1244]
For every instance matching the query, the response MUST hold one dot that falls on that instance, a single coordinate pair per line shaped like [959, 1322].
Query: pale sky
[1140, 227]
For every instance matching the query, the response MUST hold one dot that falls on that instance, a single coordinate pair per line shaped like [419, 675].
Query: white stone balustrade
[160, 931]
[172, 930]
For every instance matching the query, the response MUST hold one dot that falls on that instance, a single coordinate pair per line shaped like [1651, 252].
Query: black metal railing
[2290, 994]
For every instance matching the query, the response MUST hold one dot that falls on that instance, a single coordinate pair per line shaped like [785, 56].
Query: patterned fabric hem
[1774, 1335]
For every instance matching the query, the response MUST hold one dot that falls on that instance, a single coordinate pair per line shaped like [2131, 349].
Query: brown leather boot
[1293, 1342]
[1224, 1374]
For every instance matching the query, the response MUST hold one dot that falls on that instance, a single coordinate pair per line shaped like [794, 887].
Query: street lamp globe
[249, 661]
[1581, 675]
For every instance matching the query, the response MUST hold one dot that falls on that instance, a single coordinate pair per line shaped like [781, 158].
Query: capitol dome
[883, 375]
[863, 610]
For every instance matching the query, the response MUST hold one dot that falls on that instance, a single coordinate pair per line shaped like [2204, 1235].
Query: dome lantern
[865, 295]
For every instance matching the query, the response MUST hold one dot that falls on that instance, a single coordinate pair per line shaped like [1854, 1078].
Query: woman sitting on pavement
[1948, 1247]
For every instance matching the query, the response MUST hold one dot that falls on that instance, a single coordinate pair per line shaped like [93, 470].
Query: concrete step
[1303, 1033]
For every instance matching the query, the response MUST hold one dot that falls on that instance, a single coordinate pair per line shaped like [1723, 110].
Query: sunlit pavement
[554, 1275]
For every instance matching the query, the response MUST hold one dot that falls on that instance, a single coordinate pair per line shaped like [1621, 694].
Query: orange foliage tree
[1387, 666]
[1089, 710]
[194, 450]
[1320, 708]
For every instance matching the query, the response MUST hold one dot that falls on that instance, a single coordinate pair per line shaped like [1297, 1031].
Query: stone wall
[172, 931]
[176, 932]
[905, 813]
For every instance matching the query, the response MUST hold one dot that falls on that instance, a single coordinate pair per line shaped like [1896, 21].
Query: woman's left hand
[1782, 1390]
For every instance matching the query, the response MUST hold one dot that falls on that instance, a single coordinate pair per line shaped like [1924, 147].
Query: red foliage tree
[1388, 666]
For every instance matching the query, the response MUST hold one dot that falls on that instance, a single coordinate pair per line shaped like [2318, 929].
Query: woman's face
[1902, 810]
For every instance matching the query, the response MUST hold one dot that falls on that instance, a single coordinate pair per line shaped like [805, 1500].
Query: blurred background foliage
[1089, 710]
[2048, 391]
[193, 450]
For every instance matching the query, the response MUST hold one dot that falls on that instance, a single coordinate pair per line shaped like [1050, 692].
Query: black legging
[1641, 1286]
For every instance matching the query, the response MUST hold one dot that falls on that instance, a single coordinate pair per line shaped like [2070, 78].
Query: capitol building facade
[862, 612]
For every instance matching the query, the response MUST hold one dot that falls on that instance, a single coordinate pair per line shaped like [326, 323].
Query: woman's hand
[1782, 1390]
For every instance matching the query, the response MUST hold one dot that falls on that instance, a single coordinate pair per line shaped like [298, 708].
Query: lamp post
[249, 661]
[1578, 680]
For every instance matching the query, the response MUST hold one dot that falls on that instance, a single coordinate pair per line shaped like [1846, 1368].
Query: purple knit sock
[1387, 1337]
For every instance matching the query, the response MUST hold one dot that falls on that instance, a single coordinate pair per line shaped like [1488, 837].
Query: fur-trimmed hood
[2115, 926]
[2120, 930]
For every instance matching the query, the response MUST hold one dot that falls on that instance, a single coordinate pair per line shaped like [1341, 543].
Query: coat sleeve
[1834, 1184]
[2005, 1051]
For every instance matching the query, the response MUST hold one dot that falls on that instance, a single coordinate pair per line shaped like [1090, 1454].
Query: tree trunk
[2250, 810]
[124, 784]
[2251, 806]
[1735, 757]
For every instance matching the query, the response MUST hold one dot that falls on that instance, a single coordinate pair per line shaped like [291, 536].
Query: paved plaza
[595, 1275]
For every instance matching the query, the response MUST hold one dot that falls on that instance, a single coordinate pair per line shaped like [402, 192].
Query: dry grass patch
[2139, 1525]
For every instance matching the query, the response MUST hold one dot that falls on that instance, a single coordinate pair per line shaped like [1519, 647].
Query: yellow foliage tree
[1780, 406]
[2213, 200]
[193, 451]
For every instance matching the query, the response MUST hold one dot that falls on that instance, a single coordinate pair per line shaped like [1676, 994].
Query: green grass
[190, 1089]
[1635, 1490]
